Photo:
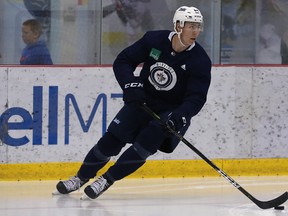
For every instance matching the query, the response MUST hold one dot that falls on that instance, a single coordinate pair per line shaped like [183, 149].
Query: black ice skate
[70, 185]
[96, 188]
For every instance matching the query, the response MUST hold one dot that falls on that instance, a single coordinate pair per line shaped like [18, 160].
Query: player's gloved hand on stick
[176, 121]
[133, 92]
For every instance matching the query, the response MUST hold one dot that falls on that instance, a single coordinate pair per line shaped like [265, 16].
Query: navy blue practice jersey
[172, 81]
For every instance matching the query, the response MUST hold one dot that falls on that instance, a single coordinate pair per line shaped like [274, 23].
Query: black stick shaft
[261, 204]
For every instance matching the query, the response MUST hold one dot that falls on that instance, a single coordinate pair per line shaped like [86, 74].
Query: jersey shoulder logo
[162, 76]
[154, 53]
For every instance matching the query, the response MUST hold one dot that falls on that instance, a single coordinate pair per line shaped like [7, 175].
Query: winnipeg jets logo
[162, 76]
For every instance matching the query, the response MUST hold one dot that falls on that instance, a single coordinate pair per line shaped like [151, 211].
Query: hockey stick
[261, 204]
[109, 9]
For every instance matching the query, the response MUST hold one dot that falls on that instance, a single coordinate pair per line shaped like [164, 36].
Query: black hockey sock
[93, 162]
[127, 163]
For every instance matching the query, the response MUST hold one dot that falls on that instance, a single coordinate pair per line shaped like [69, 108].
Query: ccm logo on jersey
[134, 85]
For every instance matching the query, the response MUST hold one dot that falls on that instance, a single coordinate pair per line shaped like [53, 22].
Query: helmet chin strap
[182, 44]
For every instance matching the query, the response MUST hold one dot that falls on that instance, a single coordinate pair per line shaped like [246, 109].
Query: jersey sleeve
[127, 60]
[196, 90]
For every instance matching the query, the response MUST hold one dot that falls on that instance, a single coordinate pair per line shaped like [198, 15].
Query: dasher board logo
[155, 54]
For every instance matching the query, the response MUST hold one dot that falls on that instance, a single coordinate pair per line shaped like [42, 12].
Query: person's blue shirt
[36, 54]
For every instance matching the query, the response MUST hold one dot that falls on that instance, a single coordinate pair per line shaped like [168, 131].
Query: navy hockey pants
[130, 125]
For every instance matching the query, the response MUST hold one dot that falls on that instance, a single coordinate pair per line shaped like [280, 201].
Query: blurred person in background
[275, 12]
[36, 51]
[136, 16]
[243, 51]
[269, 46]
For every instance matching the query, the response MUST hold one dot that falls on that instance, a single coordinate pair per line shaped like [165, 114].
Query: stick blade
[272, 203]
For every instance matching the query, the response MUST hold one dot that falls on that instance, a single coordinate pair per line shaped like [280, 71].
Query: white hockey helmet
[187, 14]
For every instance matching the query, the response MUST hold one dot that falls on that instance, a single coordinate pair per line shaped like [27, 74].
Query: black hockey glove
[176, 121]
[133, 92]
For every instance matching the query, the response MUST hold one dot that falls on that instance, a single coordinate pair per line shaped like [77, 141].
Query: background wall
[95, 31]
[245, 115]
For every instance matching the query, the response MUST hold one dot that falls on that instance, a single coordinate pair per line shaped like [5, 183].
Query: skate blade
[85, 197]
[56, 192]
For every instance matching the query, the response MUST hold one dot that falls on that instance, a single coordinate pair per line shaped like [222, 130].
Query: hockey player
[173, 82]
